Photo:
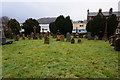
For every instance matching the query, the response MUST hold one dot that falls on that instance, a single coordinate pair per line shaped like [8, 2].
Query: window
[81, 25]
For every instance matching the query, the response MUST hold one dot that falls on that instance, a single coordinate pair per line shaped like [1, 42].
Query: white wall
[44, 26]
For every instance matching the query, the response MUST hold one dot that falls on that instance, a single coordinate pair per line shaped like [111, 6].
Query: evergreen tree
[111, 25]
[61, 24]
[14, 25]
[29, 24]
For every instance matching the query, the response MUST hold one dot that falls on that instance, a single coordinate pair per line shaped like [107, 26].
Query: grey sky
[77, 10]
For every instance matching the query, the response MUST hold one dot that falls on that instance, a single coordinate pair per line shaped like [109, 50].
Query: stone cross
[34, 29]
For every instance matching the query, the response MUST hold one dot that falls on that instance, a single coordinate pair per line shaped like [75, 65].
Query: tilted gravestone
[72, 41]
[68, 37]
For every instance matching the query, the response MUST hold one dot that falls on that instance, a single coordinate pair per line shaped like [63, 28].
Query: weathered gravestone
[89, 36]
[16, 38]
[68, 37]
[96, 37]
[40, 36]
[79, 40]
[54, 36]
[29, 37]
[3, 40]
[58, 37]
[117, 44]
[72, 41]
[23, 36]
[112, 40]
[62, 38]
[35, 36]
[46, 40]
[76, 35]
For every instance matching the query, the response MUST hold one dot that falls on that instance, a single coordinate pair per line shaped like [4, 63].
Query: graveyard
[59, 59]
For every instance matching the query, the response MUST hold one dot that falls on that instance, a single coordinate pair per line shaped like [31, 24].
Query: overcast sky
[76, 9]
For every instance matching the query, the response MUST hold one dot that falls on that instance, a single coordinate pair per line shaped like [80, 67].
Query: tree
[111, 25]
[14, 25]
[97, 25]
[29, 24]
[53, 28]
[61, 24]
[69, 25]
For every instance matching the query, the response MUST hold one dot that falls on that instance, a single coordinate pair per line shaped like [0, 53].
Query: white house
[79, 27]
[44, 28]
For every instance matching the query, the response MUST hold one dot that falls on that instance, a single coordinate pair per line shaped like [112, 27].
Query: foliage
[111, 25]
[53, 28]
[14, 25]
[34, 59]
[97, 25]
[61, 24]
[29, 24]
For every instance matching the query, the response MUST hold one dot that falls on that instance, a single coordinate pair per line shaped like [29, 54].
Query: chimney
[110, 11]
[100, 10]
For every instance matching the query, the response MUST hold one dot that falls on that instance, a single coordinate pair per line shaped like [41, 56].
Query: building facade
[79, 27]
[90, 15]
[44, 27]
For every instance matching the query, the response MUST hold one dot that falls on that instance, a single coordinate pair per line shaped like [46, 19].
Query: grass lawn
[34, 59]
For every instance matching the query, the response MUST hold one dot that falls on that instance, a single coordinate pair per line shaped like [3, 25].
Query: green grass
[34, 59]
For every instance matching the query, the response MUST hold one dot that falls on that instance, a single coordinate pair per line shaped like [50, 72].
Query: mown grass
[34, 59]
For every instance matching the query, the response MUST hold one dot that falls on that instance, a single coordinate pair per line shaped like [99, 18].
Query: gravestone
[72, 41]
[29, 37]
[32, 34]
[46, 40]
[68, 37]
[16, 38]
[23, 36]
[79, 40]
[112, 40]
[3, 40]
[58, 37]
[117, 44]
[89, 36]
[62, 38]
[117, 40]
[40, 36]
[54, 36]
[76, 35]
[35, 37]
[96, 37]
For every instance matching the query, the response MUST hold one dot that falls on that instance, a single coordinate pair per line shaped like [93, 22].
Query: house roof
[117, 13]
[46, 20]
